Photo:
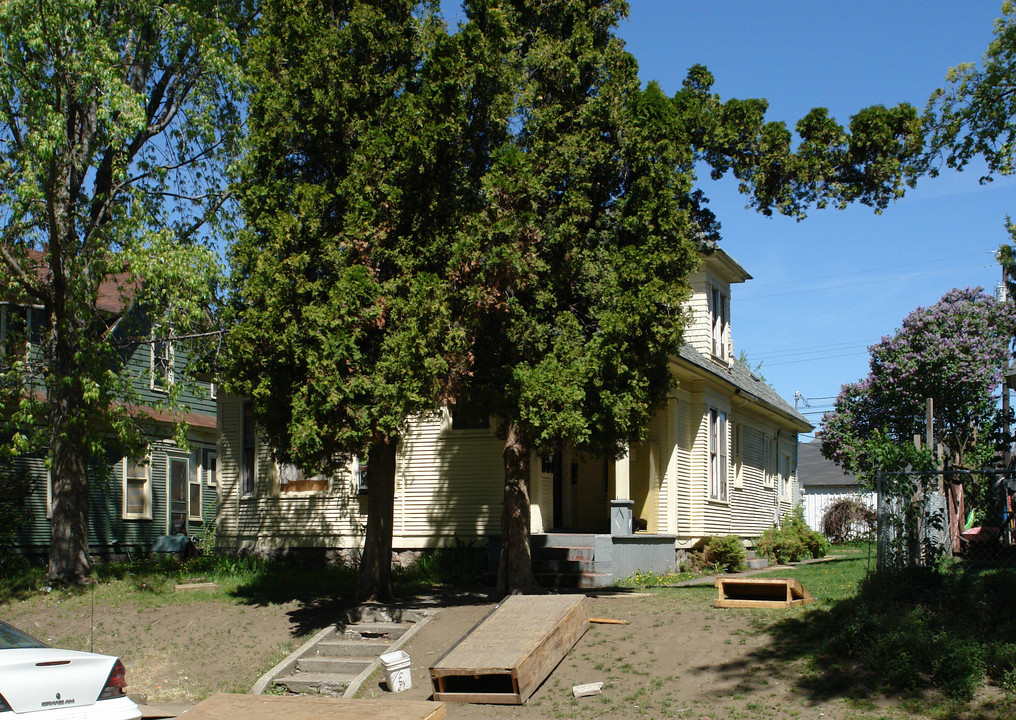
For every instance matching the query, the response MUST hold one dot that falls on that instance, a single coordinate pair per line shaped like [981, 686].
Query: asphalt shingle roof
[742, 378]
[813, 470]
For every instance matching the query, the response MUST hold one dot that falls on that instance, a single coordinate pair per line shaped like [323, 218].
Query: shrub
[848, 519]
[793, 541]
[726, 552]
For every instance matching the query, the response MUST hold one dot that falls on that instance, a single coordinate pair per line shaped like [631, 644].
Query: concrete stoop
[339, 658]
[755, 563]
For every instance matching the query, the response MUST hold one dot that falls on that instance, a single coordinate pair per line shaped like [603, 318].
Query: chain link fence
[964, 514]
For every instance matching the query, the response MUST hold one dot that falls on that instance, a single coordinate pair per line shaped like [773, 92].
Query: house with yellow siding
[719, 459]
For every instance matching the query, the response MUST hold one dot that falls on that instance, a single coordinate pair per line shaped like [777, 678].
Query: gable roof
[115, 293]
[813, 470]
[747, 385]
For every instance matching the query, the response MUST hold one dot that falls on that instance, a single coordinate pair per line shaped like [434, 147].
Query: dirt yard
[677, 657]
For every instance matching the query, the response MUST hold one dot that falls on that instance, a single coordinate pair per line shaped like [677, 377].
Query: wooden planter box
[511, 651]
[760, 593]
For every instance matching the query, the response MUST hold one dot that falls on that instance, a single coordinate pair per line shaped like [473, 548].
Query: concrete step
[757, 563]
[585, 580]
[316, 683]
[341, 665]
[562, 539]
[350, 648]
[570, 566]
[390, 631]
[562, 552]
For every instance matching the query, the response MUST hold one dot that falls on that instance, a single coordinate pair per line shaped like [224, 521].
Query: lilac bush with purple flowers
[954, 352]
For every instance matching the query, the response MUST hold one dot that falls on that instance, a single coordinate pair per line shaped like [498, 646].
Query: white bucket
[396, 665]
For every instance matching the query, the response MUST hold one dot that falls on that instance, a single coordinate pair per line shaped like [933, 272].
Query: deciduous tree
[115, 119]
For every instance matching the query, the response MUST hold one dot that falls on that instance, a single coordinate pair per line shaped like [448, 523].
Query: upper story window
[718, 458]
[162, 361]
[719, 319]
[467, 414]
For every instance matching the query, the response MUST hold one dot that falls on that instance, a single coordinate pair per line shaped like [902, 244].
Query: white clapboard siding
[450, 483]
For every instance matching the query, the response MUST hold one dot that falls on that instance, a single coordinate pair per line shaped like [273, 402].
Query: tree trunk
[374, 579]
[954, 498]
[68, 547]
[515, 569]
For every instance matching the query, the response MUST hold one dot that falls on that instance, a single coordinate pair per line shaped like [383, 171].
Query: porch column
[621, 504]
[622, 486]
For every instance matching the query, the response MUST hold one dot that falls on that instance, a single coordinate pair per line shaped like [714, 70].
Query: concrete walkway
[711, 579]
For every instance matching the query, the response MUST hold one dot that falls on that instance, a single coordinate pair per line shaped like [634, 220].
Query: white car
[46, 683]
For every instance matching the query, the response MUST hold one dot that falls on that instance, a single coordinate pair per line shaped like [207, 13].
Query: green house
[174, 489]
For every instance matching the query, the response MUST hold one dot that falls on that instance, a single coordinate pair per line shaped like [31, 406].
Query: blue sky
[826, 288]
[829, 286]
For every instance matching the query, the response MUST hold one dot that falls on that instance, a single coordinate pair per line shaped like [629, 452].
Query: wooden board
[224, 706]
[509, 653]
[760, 593]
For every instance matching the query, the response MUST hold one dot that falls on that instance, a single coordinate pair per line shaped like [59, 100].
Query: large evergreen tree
[341, 322]
[503, 216]
[116, 119]
[578, 252]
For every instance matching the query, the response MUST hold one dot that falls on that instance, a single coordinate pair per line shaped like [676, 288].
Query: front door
[178, 474]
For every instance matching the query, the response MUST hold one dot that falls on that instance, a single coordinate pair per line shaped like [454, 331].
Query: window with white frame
[769, 462]
[194, 489]
[137, 489]
[718, 458]
[248, 451]
[210, 467]
[784, 476]
[719, 318]
[49, 493]
[738, 456]
[295, 479]
[360, 476]
[162, 360]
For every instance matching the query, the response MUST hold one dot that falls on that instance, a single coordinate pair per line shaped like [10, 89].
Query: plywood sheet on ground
[224, 706]
[760, 593]
[511, 651]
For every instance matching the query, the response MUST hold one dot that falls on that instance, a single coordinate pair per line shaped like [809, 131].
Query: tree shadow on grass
[325, 593]
[917, 636]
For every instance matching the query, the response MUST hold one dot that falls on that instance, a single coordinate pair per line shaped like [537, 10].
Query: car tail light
[115, 683]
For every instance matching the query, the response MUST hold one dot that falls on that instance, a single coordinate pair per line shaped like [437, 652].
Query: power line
[881, 268]
[873, 281]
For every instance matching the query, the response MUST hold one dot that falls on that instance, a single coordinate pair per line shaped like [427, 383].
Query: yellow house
[719, 459]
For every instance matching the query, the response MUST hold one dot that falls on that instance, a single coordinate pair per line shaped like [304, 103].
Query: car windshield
[12, 638]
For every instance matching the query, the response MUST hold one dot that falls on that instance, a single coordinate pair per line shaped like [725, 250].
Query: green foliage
[920, 628]
[648, 579]
[584, 245]
[345, 192]
[726, 552]
[793, 540]
[461, 566]
[109, 109]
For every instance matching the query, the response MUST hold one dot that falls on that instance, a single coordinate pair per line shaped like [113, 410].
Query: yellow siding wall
[448, 485]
